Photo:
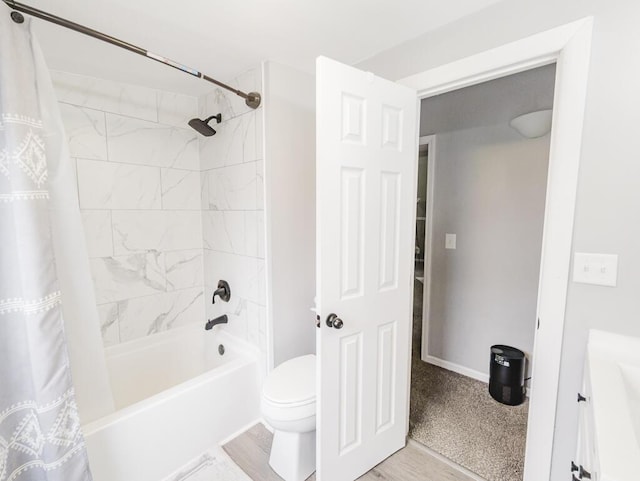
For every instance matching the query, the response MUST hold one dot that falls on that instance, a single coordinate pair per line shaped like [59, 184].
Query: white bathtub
[175, 398]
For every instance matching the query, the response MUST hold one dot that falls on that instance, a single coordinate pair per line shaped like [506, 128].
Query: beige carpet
[455, 416]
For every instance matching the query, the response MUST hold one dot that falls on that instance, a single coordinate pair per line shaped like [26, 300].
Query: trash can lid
[507, 351]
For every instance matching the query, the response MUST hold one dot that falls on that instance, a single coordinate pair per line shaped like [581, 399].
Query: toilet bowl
[288, 405]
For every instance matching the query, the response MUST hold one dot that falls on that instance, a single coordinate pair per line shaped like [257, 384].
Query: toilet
[288, 405]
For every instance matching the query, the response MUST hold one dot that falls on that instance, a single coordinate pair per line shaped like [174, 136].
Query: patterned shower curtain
[40, 436]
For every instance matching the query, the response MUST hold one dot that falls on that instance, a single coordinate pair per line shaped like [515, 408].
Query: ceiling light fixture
[534, 124]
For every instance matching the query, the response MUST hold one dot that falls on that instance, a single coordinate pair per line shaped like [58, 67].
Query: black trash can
[506, 375]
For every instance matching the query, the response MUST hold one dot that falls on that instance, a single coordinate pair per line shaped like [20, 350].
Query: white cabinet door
[586, 453]
[366, 161]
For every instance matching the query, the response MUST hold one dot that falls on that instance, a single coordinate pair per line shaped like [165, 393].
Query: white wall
[233, 210]
[608, 197]
[138, 184]
[290, 200]
[490, 186]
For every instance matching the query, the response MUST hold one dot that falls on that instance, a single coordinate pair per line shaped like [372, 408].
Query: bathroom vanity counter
[613, 405]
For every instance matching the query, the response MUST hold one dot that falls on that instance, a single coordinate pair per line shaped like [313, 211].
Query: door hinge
[538, 327]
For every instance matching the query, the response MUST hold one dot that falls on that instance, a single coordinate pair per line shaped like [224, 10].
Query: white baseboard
[450, 366]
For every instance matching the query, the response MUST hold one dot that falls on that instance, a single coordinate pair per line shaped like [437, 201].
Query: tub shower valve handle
[223, 292]
[334, 321]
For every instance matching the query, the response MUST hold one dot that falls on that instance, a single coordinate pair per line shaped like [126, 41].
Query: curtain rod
[252, 99]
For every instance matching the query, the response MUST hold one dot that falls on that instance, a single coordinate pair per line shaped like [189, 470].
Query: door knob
[334, 321]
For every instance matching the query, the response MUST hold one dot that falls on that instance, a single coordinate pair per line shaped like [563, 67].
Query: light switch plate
[598, 269]
[449, 241]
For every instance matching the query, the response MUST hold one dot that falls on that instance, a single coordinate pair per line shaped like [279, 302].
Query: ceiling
[489, 103]
[225, 38]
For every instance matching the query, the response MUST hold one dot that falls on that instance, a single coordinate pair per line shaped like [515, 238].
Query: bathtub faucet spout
[223, 292]
[218, 320]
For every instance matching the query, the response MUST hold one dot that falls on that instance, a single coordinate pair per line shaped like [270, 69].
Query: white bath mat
[214, 465]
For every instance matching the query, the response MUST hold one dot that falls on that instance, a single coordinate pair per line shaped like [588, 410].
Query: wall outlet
[449, 241]
[598, 269]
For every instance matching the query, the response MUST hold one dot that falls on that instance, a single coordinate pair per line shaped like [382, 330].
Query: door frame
[569, 46]
[430, 142]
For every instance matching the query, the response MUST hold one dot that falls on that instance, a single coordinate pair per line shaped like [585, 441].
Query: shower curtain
[46, 294]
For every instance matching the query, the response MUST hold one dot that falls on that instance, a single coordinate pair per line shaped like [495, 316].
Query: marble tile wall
[138, 173]
[233, 210]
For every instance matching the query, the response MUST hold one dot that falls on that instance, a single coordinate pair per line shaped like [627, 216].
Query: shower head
[203, 127]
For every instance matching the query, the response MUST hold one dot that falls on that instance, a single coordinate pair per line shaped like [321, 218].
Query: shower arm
[252, 99]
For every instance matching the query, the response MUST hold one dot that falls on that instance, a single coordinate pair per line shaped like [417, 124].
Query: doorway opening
[480, 212]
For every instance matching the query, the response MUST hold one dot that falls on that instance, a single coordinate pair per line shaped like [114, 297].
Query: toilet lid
[292, 382]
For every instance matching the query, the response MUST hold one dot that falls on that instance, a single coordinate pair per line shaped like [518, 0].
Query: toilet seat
[288, 412]
[289, 392]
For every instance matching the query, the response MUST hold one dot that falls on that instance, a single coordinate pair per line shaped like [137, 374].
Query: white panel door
[366, 194]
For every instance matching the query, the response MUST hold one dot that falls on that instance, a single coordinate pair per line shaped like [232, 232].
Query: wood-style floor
[250, 451]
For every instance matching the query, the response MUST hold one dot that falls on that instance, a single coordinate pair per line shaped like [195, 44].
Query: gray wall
[608, 202]
[489, 103]
[490, 186]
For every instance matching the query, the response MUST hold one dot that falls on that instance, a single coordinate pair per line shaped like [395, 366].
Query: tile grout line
[127, 116]
[133, 164]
